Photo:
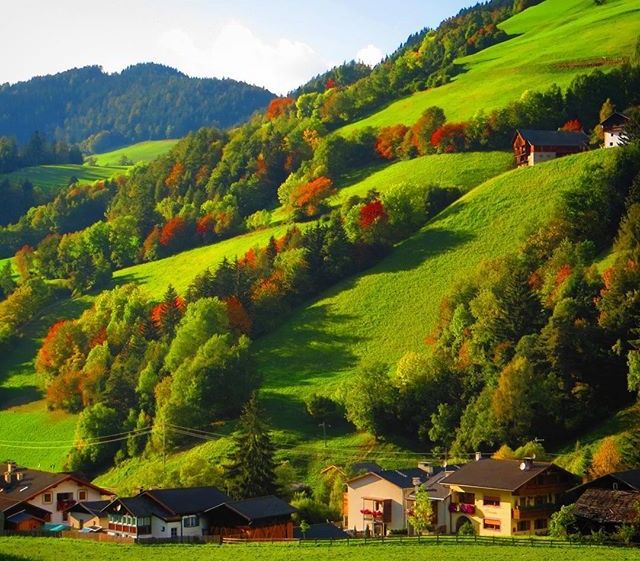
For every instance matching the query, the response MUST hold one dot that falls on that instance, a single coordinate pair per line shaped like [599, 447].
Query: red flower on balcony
[366, 512]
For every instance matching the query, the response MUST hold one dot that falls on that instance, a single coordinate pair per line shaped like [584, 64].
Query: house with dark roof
[163, 513]
[257, 518]
[506, 497]
[88, 514]
[613, 128]
[50, 492]
[606, 509]
[377, 501]
[628, 480]
[533, 147]
[22, 516]
[440, 497]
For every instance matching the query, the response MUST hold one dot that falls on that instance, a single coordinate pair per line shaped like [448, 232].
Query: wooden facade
[534, 147]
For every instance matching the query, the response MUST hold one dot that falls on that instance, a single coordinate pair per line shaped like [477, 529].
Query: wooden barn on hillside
[533, 147]
[613, 128]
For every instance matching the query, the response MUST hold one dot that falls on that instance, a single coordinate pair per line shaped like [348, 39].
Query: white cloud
[370, 55]
[236, 52]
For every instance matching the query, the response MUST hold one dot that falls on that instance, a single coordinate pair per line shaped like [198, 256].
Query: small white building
[613, 127]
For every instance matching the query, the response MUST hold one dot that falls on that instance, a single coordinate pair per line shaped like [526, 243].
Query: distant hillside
[143, 102]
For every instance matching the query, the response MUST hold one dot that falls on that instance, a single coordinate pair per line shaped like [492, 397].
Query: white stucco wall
[373, 487]
[64, 487]
[612, 139]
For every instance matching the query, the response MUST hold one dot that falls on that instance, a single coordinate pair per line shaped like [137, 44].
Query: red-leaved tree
[450, 137]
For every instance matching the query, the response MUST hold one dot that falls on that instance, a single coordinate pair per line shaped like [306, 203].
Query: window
[467, 498]
[524, 526]
[490, 524]
[191, 522]
[82, 495]
[47, 498]
[491, 501]
[540, 524]
[615, 486]
[174, 532]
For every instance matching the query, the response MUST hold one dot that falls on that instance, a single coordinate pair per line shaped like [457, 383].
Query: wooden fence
[96, 537]
[435, 540]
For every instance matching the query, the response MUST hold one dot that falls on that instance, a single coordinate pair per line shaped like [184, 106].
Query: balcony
[464, 508]
[64, 504]
[377, 510]
[520, 512]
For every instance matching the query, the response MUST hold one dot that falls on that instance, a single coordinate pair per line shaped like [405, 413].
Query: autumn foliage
[174, 232]
[309, 197]
[450, 137]
[173, 179]
[278, 107]
[239, 319]
[606, 459]
[372, 213]
[389, 142]
[574, 125]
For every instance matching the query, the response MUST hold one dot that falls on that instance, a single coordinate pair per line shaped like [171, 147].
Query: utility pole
[324, 425]
[164, 447]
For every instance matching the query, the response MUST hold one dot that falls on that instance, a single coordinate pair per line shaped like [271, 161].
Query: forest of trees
[145, 101]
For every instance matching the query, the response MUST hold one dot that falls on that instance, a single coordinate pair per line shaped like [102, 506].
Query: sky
[277, 44]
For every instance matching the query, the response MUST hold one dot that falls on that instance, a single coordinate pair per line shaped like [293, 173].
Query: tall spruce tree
[251, 468]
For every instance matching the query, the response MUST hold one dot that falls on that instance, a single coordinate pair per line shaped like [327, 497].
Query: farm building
[613, 128]
[533, 147]
[87, 514]
[49, 492]
[606, 509]
[506, 497]
[628, 480]
[257, 518]
[20, 515]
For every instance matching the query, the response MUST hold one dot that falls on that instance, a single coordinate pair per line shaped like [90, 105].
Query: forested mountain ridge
[143, 102]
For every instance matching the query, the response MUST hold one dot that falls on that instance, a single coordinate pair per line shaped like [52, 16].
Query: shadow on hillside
[121, 280]
[314, 348]
[13, 397]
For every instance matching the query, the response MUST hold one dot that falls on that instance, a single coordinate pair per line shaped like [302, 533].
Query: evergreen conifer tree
[251, 468]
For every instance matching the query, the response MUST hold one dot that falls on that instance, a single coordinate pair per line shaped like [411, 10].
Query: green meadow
[550, 43]
[49, 549]
[140, 152]
[391, 308]
[56, 177]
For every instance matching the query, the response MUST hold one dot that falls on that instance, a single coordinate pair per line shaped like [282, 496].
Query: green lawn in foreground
[58, 176]
[551, 43]
[140, 152]
[50, 549]
[391, 308]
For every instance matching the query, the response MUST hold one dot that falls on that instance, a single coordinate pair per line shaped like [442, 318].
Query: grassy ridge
[445, 170]
[58, 176]
[391, 308]
[43, 549]
[551, 43]
[140, 152]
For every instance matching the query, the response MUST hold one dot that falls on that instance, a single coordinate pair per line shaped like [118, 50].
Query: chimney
[11, 466]
[478, 456]
[528, 463]
[19, 476]
[426, 467]
[8, 477]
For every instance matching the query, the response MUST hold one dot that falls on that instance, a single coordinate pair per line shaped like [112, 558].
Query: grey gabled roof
[554, 138]
[188, 500]
[91, 507]
[404, 478]
[139, 507]
[258, 508]
[614, 119]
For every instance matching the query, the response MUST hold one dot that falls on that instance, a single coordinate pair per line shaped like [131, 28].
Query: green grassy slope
[140, 152]
[390, 309]
[445, 170]
[551, 43]
[58, 176]
[46, 549]
[179, 270]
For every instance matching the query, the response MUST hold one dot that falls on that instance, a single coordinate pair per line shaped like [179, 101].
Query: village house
[49, 492]
[440, 497]
[506, 497]
[21, 516]
[606, 509]
[533, 147]
[88, 515]
[378, 501]
[628, 480]
[163, 513]
[257, 518]
[613, 128]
